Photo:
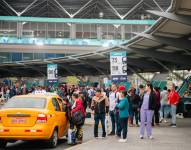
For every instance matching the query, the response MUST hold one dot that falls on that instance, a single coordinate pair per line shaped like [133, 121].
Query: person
[77, 105]
[100, 105]
[173, 99]
[113, 98]
[123, 106]
[84, 102]
[134, 101]
[155, 120]
[147, 111]
[141, 94]
[164, 105]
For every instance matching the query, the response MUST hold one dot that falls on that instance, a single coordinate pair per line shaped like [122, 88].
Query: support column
[73, 31]
[19, 29]
[99, 32]
[123, 32]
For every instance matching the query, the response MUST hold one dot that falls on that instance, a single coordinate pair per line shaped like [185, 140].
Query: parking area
[165, 138]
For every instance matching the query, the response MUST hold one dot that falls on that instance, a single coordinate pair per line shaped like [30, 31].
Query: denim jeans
[97, 118]
[112, 116]
[164, 111]
[173, 113]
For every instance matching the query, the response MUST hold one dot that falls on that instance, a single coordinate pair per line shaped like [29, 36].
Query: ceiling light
[101, 14]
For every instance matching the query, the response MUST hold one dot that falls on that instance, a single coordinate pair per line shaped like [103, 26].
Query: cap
[121, 88]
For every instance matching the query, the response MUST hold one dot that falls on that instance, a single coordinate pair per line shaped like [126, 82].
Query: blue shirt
[145, 104]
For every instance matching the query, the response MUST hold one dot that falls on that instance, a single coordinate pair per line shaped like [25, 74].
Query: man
[134, 102]
[113, 97]
[100, 105]
[164, 105]
[173, 99]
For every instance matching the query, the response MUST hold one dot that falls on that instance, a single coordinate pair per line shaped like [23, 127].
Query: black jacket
[152, 101]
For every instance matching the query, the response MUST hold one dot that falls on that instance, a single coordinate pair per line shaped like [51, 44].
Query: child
[123, 106]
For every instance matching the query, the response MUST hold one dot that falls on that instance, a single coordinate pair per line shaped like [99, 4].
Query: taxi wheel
[3, 143]
[54, 139]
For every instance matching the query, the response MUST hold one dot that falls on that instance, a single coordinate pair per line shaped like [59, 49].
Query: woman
[123, 106]
[147, 111]
[77, 106]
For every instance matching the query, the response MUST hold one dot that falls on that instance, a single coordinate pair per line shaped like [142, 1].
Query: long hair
[150, 85]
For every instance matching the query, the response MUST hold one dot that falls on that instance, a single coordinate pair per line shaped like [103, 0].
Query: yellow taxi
[33, 117]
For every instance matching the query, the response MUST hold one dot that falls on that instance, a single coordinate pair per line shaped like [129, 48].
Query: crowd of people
[147, 105]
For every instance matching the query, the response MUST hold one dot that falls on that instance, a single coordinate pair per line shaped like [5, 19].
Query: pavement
[165, 138]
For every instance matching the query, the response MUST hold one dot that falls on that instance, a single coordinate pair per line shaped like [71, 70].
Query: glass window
[25, 102]
[56, 104]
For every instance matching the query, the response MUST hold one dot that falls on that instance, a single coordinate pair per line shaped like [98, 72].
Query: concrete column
[19, 29]
[99, 32]
[123, 32]
[73, 31]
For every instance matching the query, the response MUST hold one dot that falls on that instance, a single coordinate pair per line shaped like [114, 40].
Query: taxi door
[59, 116]
[64, 112]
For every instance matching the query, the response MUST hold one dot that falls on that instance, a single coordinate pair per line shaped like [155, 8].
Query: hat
[121, 88]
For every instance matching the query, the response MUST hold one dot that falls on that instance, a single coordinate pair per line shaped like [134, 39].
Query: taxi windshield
[25, 102]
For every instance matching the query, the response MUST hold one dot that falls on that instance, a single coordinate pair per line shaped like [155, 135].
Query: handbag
[78, 117]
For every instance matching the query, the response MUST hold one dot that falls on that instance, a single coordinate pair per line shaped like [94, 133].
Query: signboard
[52, 72]
[118, 63]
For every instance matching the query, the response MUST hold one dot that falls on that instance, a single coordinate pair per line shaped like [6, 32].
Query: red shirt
[79, 106]
[173, 98]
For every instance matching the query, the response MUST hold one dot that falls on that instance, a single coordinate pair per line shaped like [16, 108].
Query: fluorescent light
[39, 43]
[105, 45]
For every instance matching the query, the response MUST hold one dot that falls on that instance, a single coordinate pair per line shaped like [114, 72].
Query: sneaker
[161, 120]
[122, 140]
[165, 121]
[173, 126]
[151, 137]
[141, 137]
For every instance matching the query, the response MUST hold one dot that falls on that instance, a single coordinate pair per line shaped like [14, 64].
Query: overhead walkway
[163, 47]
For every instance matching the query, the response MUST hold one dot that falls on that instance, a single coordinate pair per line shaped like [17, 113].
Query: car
[33, 117]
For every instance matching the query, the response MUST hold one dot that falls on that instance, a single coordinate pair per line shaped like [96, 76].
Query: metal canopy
[163, 47]
[107, 9]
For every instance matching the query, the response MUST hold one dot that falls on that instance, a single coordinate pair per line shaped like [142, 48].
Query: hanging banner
[118, 63]
[52, 72]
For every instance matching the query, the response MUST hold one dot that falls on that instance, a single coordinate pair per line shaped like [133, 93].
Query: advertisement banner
[118, 64]
[52, 72]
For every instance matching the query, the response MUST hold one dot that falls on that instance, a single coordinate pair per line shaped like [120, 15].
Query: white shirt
[164, 97]
[113, 97]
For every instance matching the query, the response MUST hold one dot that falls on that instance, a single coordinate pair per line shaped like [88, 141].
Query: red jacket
[173, 98]
[79, 106]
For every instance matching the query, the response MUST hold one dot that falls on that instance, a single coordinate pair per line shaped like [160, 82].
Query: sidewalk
[165, 138]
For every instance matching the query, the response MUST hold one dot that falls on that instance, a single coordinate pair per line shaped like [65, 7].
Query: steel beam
[73, 15]
[179, 43]
[168, 69]
[133, 71]
[177, 18]
[158, 5]
[63, 8]
[20, 13]
[151, 53]
[11, 8]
